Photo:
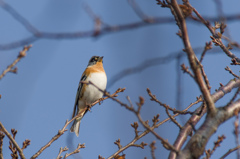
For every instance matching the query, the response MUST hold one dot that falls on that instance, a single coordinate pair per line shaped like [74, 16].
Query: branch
[231, 72]
[216, 37]
[38, 34]
[196, 146]
[207, 47]
[216, 145]
[80, 146]
[194, 63]
[60, 151]
[1, 144]
[20, 56]
[153, 147]
[187, 128]
[230, 151]
[63, 130]
[3, 129]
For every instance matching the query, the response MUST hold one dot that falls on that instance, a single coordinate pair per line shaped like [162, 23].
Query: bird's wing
[78, 95]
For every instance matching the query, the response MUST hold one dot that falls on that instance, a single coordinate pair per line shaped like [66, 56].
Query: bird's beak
[100, 59]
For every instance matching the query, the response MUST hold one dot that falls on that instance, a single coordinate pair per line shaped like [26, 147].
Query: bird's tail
[75, 127]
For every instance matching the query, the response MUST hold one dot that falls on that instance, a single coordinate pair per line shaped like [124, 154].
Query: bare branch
[1, 144]
[60, 151]
[3, 129]
[186, 70]
[216, 145]
[77, 150]
[194, 63]
[20, 56]
[63, 130]
[173, 119]
[187, 128]
[231, 72]
[236, 130]
[230, 151]
[210, 125]
[153, 148]
[26, 143]
[216, 38]
[207, 47]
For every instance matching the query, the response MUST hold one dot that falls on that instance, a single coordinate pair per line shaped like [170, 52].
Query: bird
[87, 93]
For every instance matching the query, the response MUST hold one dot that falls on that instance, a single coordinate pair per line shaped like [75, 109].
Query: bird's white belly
[91, 93]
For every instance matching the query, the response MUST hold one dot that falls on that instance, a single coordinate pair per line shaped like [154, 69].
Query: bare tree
[190, 141]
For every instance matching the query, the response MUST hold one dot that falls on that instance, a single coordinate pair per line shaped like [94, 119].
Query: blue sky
[39, 98]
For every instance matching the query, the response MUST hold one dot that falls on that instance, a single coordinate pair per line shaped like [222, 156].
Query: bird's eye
[96, 58]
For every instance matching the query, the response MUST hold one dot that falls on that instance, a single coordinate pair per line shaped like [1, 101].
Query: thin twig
[216, 145]
[192, 57]
[38, 34]
[3, 129]
[77, 150]
[1, 144]
[63, 130]
[216, 38]
[20, 56]
[173, 119]
[153, 148]
[187, 128]
[231, 72]
[60, 152]
[236, 131]
[230, 151]
[207, 47]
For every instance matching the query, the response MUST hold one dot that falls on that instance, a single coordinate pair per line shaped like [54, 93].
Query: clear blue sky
[39, 99]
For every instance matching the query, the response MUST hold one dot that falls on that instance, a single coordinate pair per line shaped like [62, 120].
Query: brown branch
[236, 130]
[207, 47]
[231, 72]
[196, 145]
[117, 142]
[234, 97]
[59, 134]
[153, 148]
[1, 144]
[26, 143]
[216, 145]
[186, 70]
[164, 142]
[60, 152]
[173, 119]
[146, 132]
[63, 130]
[230, 151]
[19, 57]
[77, 150]
[187, 128]
[145, 124]
[137, 112]
[205, 77]
[234, 62]
[135, 126]
[37, 34]
[216, 37]
[4, 130]
[153, 98]
[194, 63]
[156, 61]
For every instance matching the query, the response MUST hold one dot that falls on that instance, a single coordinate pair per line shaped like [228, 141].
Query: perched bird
[87, 94]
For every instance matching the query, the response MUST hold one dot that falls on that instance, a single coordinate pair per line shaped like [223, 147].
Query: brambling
[87, 94]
